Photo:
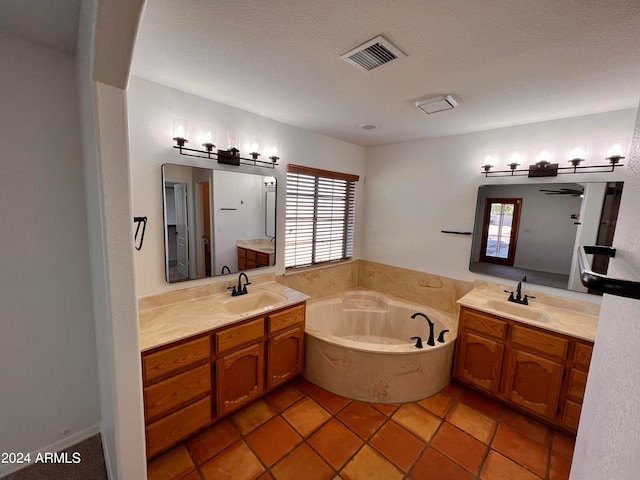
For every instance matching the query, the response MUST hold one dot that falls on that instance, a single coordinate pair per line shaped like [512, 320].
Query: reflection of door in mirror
[206, 222]
[500, 230]
[270, 214]
[177, 232]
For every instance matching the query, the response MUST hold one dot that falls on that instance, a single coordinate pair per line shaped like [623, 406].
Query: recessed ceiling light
[368, 126]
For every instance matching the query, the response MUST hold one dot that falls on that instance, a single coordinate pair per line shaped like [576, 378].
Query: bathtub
[359, 345]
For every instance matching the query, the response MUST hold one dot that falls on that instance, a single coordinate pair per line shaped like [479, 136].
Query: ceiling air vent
[373, 54]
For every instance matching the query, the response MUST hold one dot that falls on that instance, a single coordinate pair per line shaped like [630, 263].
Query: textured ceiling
[505, 62]
[49, 23]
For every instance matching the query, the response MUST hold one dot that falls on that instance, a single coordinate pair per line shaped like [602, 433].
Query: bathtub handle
[441, 336]
[418, 341]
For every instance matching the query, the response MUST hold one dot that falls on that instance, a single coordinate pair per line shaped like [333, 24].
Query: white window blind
[319, 216]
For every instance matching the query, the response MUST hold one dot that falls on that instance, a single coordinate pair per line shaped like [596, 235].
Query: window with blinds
[319, 216]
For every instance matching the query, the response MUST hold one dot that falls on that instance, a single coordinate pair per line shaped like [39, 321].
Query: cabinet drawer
[239, 335]
[539, 341]
[177, 426]
[252, 255]
[582, 356]
[577, 384]
[571, 415]
[286, 318]
[242, 253]
[166, 396]
[175, 359]
[484, 323]
[262, 259]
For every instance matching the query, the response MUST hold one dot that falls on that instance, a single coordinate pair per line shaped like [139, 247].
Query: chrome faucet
[518, 298]
[240, 289]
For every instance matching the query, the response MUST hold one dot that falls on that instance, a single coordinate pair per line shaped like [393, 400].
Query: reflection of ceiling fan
[564, 191]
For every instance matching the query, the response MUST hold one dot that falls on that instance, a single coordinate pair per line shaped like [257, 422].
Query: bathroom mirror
[216, 222]
[535, 229]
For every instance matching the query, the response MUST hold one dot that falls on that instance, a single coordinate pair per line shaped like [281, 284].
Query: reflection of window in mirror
[500, 230]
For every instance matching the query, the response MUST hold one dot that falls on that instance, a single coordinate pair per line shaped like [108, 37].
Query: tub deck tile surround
[413, 286]
[466, 439]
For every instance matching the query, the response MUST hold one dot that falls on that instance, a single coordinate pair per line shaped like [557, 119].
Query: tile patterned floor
[301, 431]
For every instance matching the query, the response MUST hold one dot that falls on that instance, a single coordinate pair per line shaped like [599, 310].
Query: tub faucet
[240, 289]
[431, 340]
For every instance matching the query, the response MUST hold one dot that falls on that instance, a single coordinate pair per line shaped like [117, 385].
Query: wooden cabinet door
[285, 356]
[479, 361]
[533, 382]
[240, 378]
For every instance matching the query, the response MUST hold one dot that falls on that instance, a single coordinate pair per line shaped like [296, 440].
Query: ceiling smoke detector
[437, 104]
[373, 54]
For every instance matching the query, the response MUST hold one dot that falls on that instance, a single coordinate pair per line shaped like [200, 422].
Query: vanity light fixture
[544, 168]
[231, 156]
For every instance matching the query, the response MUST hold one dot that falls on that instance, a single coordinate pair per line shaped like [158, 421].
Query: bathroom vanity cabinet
[531, 369]
[194, 382]
[249, 258]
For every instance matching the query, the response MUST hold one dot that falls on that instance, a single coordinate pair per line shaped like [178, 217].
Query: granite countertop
[562, 315]
[262, 245]
[164, 324]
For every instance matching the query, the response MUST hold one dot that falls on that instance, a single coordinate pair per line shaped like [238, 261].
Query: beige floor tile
[252, 416]
[306, 416]
[368, 464]
[171, 465]
[473, 422]
[417, 420]
[497, 467]
[235, 463]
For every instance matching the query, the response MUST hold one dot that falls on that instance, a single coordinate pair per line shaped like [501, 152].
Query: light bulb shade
[269, 181]
[616, 150]
[544, 155]
[488, 159]
[180, 130]
[578, 151]
[515, 159]
[208, 135]
[233, 140]
[274, 151]
[255, 145]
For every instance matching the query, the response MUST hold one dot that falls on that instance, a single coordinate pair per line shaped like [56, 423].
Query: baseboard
[58, 446]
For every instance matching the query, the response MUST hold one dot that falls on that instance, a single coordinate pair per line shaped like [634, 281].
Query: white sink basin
[252, 301]
[523, 311]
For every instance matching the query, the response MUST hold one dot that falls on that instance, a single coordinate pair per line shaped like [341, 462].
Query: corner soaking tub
[359, 345]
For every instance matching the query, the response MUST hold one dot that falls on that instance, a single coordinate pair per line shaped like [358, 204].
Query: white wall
[153, 107]
[608, 442]
[105, 39]
[48, 381]
[415, 189]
